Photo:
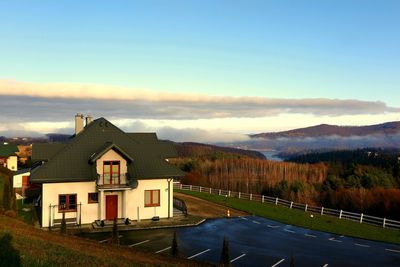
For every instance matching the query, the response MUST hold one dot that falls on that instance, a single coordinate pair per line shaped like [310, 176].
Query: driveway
[255, 241]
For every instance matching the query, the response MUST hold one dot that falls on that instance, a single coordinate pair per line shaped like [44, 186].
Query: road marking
[273, 226]
[244, 218]
[105, 240]
[310, 235]
[361, 245]
[198, 254]
[392, 250]
[289, 231]
[325, 265]
[256, 222]
[334, 240]
[162, 250]
[139, 243]
[279, 262]
[244, 254]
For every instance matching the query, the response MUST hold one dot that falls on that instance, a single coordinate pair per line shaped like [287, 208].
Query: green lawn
[303, 219]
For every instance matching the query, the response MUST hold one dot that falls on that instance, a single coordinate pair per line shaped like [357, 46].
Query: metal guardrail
[341, 214]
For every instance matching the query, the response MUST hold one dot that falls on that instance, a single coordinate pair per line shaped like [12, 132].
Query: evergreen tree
[63, 229]
[115, 235]
[9, 256]
[174, 246]
[225, 258]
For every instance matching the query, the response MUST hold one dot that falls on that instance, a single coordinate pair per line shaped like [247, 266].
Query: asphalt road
[256, 241]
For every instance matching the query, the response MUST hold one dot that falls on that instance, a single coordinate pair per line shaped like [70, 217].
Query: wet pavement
[256, 241]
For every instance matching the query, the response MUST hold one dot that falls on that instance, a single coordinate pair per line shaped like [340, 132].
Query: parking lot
[255, 241]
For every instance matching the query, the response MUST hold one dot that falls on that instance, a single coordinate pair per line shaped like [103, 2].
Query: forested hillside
[362, 180]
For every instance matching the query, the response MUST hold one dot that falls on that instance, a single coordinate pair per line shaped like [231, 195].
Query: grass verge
[36, 247]
[303, 219]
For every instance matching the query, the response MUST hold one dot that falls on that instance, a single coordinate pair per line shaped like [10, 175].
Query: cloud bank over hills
[34, 108]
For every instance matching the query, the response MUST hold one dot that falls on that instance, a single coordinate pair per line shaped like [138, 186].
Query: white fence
[341, 214]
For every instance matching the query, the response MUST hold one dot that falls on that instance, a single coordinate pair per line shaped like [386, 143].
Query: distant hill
[199, 150]
[389, 128]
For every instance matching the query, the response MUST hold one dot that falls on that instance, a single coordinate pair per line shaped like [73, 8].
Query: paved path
[256, 241]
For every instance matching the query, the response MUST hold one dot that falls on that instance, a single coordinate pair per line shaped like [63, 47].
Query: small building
[21, 182]
[103, 173]
[8, 156]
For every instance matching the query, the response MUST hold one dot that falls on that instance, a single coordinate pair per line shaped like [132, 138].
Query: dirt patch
[205, 209]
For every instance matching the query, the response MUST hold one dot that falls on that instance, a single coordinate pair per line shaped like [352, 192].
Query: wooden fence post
[384, 222]
[210, 190]
[219, 192]
[305, 208]
[322, 211]
[190, 187]
[340, 214]
[291, 204]
[262, 198]
[251, 196]
[361, 217]
[276, 201]
[239, 195]
[229, 193]
[181, 186]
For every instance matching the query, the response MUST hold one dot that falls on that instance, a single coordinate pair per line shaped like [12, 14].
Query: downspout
[169, 197]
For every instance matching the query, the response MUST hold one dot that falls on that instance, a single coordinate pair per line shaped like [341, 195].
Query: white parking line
[244, 218]
[244, 254]
[334, 240]
[105, 240]
[361, 245]
[310, 235]
[279, 262]
[256, 222]
[325, 265]
[162, 250]
[289, 231]
[139, 243]
[392, 250]
[198, 254]
[273, 226]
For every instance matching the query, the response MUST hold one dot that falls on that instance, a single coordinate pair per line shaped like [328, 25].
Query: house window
[152, 198]
[67, 203]
[111, 171]
[93, 198]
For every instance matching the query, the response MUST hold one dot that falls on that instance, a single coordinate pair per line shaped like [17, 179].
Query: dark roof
[7, 150]
[44, 152]
[72, 161]
[22, 171]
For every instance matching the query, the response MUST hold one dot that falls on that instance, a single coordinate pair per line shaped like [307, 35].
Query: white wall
[129, 200]
[17, 179]
[12, 163]
[50, 192]
[135, 199]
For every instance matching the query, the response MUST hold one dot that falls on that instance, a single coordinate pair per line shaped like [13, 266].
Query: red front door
[111, 207]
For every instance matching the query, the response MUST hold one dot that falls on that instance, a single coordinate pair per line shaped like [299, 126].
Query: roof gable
[107, 147]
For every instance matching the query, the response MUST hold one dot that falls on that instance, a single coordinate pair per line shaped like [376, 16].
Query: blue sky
[270, 49]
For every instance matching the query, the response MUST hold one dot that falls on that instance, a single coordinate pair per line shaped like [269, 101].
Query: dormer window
[111, 172]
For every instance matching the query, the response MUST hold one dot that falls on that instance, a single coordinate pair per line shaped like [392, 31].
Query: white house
[103, 173]
[21, 182]
[8, 156]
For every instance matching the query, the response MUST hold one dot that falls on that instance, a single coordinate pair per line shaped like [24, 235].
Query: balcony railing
[113, 181]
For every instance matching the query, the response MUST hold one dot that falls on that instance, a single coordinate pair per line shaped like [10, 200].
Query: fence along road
[341, 214]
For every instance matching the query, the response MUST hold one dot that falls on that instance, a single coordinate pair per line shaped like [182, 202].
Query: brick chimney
[79, 123]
